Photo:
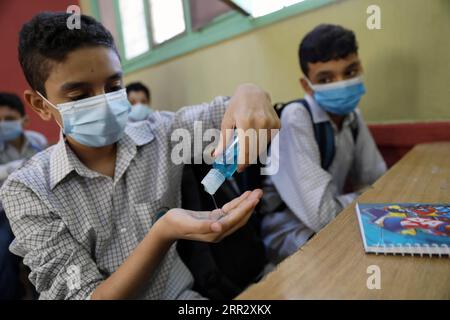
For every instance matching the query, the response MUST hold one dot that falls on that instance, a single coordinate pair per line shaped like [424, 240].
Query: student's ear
[38, 105]
[306, 86]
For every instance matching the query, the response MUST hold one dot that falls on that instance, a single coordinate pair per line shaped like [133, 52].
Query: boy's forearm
[126, 281]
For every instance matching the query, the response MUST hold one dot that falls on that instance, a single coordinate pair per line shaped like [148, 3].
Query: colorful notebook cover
[405, 228]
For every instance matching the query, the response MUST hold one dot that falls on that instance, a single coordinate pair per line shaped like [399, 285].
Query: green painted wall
[407, 63]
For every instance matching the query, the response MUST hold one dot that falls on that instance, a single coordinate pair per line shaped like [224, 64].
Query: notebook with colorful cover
[405, 228]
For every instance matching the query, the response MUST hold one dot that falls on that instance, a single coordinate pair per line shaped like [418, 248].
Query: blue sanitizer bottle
[224, 167]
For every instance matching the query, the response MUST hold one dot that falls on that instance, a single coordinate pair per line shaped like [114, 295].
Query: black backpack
[323, 132]
[222, 270]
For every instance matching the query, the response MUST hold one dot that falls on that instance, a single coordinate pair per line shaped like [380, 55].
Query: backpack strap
[354, 126]
[323, 133]
[325, 141]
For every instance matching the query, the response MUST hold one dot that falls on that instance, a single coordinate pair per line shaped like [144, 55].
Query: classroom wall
[407, 63]
[13, 14]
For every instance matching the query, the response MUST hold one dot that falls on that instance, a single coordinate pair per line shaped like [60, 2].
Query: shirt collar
[60, 166]
[63, 160]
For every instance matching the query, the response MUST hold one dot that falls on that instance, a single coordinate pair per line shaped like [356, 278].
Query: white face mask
[96, 121]
[139, 112]
[340, 97]
[10, 129]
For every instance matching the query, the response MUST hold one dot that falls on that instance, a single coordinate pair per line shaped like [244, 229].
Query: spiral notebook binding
[413, 249]
[392, 246]
[448, 249]
[378, 246]
[401, 249]
[419, 249]
[427, 249]
[409, 246]
[434, 245]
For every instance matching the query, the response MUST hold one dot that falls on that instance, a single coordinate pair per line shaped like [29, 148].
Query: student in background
[325, 142]
[97, 215]
[16, 143]
[16, 146]
[140, 98]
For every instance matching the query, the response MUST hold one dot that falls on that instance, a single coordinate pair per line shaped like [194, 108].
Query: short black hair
[12, 101]
[46, 39]
[138, 86]
[324, 43]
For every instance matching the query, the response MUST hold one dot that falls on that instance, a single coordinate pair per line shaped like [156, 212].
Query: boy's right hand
[205, 226]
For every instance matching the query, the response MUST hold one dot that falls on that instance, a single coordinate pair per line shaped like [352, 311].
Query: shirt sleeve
[369, 165]
[194, 121]
[303, 185]
[61, 268]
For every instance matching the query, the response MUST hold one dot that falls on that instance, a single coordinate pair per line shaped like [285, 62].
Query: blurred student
[325, 142]
[140, 99]
[16, 146]
[16, 143]
[97, 215]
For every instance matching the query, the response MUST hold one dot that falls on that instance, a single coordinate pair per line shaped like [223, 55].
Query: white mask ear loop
[311, 86]
[53, 106]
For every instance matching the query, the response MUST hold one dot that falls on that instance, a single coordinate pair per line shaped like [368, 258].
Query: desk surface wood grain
[333, 264]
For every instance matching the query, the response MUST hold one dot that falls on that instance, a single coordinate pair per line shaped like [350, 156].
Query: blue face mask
[97, 121]
[341, 97]
[139, 112]
[10, 130]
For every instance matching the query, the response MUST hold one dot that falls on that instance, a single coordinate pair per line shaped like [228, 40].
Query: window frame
[182, 34]
[118, 22]
[221, 28]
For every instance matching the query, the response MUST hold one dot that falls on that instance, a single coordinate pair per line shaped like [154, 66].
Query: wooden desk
[333, 264]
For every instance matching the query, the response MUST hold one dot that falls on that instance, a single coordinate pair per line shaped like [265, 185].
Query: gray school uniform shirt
[11, 158]
[313, 196]
[75, 227]
[34, 142]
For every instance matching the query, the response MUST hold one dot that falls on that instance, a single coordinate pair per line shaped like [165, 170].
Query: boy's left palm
[210, 226]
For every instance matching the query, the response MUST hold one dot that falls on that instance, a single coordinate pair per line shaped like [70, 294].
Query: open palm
[211, 226]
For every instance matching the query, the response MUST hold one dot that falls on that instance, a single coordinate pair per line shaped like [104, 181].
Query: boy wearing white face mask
[140, 99]
[16, 144]
[97, 215]
[325, 142]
